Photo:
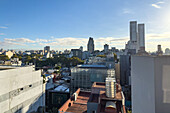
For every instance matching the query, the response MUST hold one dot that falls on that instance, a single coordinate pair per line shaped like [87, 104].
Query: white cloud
[3, 27]
[41, 40]
[9, 44]
[69, 41]
[152, 40]
[161, 2]
[157, 5]
[2, 33]
[21, 40]
[127, 11]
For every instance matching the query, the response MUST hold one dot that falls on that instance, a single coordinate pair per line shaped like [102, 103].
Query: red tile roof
[78, 106]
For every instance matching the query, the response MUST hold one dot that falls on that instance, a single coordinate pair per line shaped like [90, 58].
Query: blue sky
[66, 24]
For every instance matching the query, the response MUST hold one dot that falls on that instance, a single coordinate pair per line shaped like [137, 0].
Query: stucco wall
[162, 84]
[142, 78]
[22, 90]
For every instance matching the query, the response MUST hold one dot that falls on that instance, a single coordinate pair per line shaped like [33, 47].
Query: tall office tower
[90, 45]
[46, 49]
[106, 47]
[150, 84]
[159, 51]
[133, 31]
[81, 48]
[141, 36]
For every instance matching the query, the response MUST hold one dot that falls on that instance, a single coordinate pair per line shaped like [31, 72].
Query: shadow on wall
[33, 105]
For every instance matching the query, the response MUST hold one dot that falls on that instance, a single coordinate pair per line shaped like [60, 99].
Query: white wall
[150, 84]
[162, 84]
[12, 97]
[142, 79]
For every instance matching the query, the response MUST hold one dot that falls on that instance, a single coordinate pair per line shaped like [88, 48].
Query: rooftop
[6, 67]
[97, 95]
[62, 88]
[99, 84]
[76, 106]
[92, 66]
[80, 105]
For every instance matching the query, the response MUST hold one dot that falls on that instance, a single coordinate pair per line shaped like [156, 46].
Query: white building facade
[150, 76]
[22, 90]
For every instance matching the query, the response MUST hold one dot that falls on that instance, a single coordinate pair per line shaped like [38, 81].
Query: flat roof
[92, 66]
[62, 88]
[80, 105]
[103, 93]
[1, 69]
[99, 85]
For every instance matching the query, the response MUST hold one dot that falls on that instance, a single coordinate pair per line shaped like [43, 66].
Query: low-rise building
[9, 54]
[22, 89]
[83, 76]
[95, 101]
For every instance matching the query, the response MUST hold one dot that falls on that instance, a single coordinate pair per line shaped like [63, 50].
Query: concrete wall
[117, 72]
[150, 84]
[22, 90]
[162, 84]
[142, 78]
[124, 69]
[92, 107]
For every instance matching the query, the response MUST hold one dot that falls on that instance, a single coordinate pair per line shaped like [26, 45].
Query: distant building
[48, 55]
[15, 62]
[23, 90]
[9, 54]
[106, 48]
[150, 84]
[85, 55]
[136, 44]
[66, 51]
[83, 76]
[159, 51]
[81, 48]
[46, 49]
[167, 51]
[117, 72]
[1, 50]
[141, 37]
[90, 45]
[76, 53]
[133, 31]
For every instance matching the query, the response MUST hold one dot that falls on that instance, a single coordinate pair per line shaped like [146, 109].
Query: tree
[102, 56]
[75, 61]
[15, 56]
[4, 57]
[115, 56]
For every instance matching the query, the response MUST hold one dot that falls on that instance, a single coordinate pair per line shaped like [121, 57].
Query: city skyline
[68, 24]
